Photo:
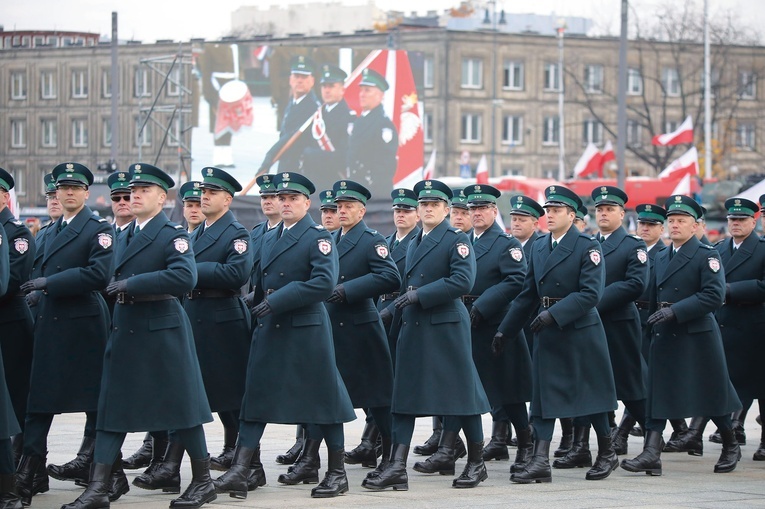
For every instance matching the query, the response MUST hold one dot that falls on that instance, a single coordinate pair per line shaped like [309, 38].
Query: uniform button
[55, 318]
[277, 325]
[265, 273]
[281, 274]
[417, 323]
[557, 284]
[660, 288]
[131, 331]
[341, 324]
[422, 275]
[199, 320]
[404, 322]
[116, 328]
[260, 325]
[342, 278]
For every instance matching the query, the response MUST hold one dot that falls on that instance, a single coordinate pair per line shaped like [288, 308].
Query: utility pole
[561, 95]
[621, 113]
[114, 90]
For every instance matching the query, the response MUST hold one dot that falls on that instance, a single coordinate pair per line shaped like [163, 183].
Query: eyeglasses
[117, 197]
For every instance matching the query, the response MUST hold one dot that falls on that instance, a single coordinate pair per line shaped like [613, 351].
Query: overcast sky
[149, 20]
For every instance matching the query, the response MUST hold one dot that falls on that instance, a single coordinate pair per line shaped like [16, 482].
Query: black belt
[643, 304]
[210, 293]
[410, 288]
[546, 302]
[469, 299]
[124, 298]
[389, 296]
[662, 305]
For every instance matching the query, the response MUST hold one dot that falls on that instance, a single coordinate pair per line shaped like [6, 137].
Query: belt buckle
[409, 288]
[269, 291]
[545, 302]
[121, 298]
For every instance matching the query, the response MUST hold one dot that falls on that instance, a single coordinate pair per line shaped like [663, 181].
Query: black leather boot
[648, 461]
[692, 441]
[201, 490]
[442, 461]
[387, 444]
[579, 456]
[738, 428]
[365, 453]
[606, 461]
[567, 437]
[31, 478]
[525, 450]
[291, 456]
[679, 429]
[235, 480]
[637, 431]
[335, 481]
[142, 457]
[96, 495]
[731, 452]
[222, 461]
[537, 469]
[9, 499]
[496, 449]
[306, 469]
[118, 483]
[394, 475]
[17, 444]
[257, 475]
[474, 472]
[759, 454]
[78, 469]
[431, 444]
[620, 435]
[165, 475]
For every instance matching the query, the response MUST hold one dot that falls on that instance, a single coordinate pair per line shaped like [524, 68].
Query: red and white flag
[686, 164]
[589, 163]
[430, 169]
[13, 204]
[684, 186]
[606, 156]
[683, 134]
[482, 171]
[319, 132]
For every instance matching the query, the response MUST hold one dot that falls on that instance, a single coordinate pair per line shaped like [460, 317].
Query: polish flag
[13, 204]
[687, 163]
[606, 155]
[683, 134]
[401, 105]
[482, 171]
[589, 163]
[684, 186]
[430, 169]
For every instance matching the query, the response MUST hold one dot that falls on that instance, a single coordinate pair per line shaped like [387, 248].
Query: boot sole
[531, 481]
[311, 480]
[394, 487]
[209, 498]
[330, 495]
[113, 497]
[475, 484]
[567, 467]
[439, 472]
[655, 472]
[165, 489]
[496, 457]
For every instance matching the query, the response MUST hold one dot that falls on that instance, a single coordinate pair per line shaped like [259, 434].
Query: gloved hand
[498, 344]
[662, 315]
[33, 298]
[475, 317]
[262, 309]
[544, 319]
[116, 287]
[386, 317]
[406, 299]
[249, 299]
[338, 294]
[39, 283]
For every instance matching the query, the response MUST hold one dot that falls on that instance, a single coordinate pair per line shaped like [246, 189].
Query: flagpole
[561, 93]
[707, 106]
[621, 112]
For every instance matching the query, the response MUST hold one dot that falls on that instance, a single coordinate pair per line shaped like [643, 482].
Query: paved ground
[687, 481]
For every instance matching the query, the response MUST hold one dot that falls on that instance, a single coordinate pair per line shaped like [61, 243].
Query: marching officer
[120, 195]
[435, 373]
[687, 374]
[361, 345]
[153, 266]
[579, 221]
[626, 262]
[373, 144]
[459, 215]
[70, 331]
[191, 195]
[17, 339]
[571, 371]
[292, 376]
[328, 210]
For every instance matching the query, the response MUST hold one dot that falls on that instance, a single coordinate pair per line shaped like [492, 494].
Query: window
[21, 181]
[106, 131]
[512, 76]
[550, 173]
[671, 125]
[18, 85]
[79, 132]
[592, 132]
[49, 133]
[48, 85]
[79, 83]
[427, 127]
[106, 83]
[142, 82]
[472, 73]
[670, 80]
[174, 136]
[38, 41]
[550, 134]
[142, 137]
[634, 133]
[512, 130]
[634, 82]
[593, 79]
[174, 82]
[551, 77]
[714, 79]
[53, 40]
[747, 84]
[471, 128]
[428, 72]
[18, 133]
[745, 136]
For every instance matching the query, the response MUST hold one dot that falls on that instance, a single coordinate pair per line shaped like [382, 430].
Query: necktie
[137, 230]
[395, 244]
[474, 239]
[63, 225]
[671, 252]
[601, 238]
[554, 244]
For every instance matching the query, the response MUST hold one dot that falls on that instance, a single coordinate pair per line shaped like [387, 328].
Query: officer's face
[741, 228]
[293, 207]
[405, 219]
[522, 226]
[650, 232]
[350, 213]
[681, 228]
[482, 217]
[609, 217]
[54, 206]
[269, 204]
[370, 97]
[329, 219]
[146, 201]
[332, 93]
[215, 202]
[559, 219]
[4, 198]
[459, 218]
[301, 84]
[580, 224]
[121, 207]
[72, 198]
[192, 212]
[432, 213]
[701, 228]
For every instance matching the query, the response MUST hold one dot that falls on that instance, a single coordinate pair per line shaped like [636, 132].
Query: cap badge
[678, 199]
[285, 176]
[401, 192]
[737, 203]
[69, 166]
[209, 172]
[343, 184]
[137, 167]
[196, 185]
[648, 208]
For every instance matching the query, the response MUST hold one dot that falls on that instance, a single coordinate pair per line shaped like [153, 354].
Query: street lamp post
[494, 101]
[561, 94]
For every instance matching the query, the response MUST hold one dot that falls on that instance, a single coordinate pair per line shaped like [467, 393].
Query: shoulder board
[99, 219]
[238, 225]
[318, 227]
[371, 231]
[17, 222]
[719, 242]
[506, 235]
[706, 246]
[176, 226]
[636, 237]
[454, 230]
